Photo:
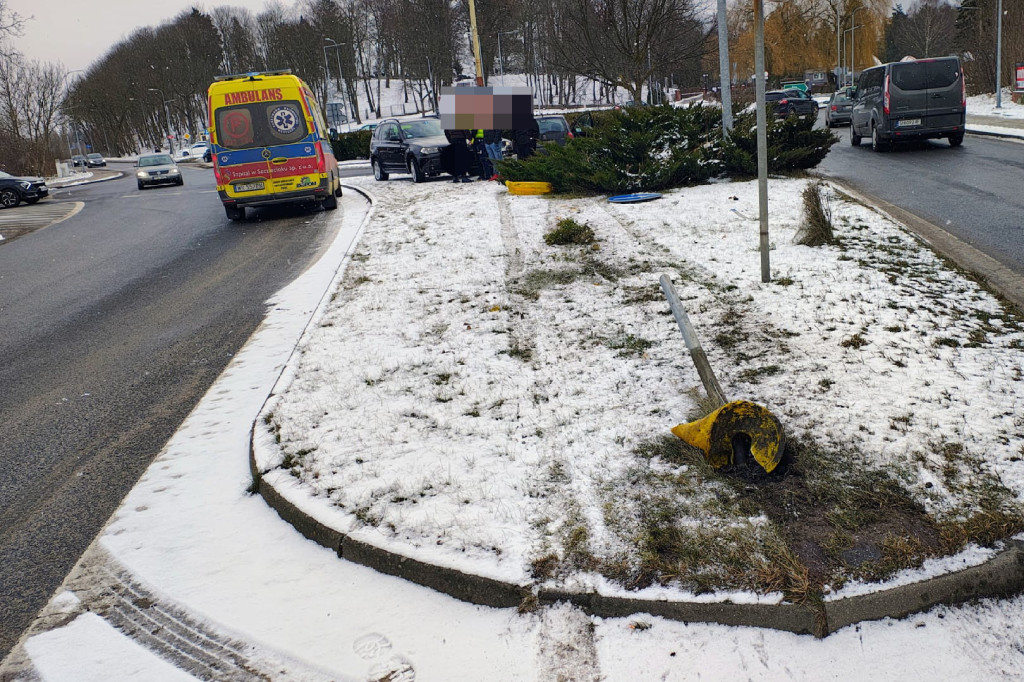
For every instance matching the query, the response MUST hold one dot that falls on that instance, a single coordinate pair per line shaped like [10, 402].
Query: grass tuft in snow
[567, 232]
[817, 228]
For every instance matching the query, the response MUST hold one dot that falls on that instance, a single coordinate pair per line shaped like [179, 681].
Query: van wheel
[378, 172]
[235, 212]
[854, 137]
[876, 142]
[956, 140]
[417, 172]
[330, 202]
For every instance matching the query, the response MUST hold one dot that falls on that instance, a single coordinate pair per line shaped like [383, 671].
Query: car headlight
[429, 150]
[25, 185]
[173, 171]
[143, 174]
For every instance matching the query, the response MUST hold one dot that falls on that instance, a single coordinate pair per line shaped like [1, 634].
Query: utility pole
[476, 45]
[762, 138]
[853, 43]
[725, 82]
[999, 54]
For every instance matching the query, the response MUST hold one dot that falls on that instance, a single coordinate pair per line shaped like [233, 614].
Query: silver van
[913, 99]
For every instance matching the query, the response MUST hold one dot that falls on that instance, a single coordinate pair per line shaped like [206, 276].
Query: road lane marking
[23, 219]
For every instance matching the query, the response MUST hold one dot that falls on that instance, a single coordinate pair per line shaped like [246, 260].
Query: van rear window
[941, 73]
[260, 124]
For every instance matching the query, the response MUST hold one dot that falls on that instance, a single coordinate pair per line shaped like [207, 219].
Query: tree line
[570, 51]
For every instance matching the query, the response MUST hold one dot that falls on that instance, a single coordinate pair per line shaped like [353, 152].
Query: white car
[196, 151]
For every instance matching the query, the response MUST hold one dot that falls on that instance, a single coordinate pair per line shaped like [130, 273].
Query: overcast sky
[79, 32]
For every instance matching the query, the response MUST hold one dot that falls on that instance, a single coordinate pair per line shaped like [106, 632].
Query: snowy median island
[475, 397]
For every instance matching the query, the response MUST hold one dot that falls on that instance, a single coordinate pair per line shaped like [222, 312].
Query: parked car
[407, 147]
[78, 160]
[914, 99]
[366, 126]
[198, 150]
[800, 93]
[95, 160]
[839, 108]
[14, 190]
[157, 169]
[554, 129]
[787, 103]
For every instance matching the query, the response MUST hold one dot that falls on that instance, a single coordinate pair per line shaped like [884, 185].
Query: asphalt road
[973, 191]
[113, 323]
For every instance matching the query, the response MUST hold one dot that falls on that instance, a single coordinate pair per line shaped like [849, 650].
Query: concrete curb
[992, 133]
[90, 181]
[1000, 576]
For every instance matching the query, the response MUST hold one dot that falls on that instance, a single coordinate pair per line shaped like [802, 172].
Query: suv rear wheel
[378, 172]
[956, 140]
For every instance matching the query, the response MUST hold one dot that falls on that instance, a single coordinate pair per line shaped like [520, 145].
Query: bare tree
[929, 31]
[625, 42]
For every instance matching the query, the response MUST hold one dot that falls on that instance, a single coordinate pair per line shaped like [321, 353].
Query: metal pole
[853, 43]
[501, 66]
[762, 138]
[999, 54]
[700, 359]
[327, 79]
[725, 83]
[839, 58]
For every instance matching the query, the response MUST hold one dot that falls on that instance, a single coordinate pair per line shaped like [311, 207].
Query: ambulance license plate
[248, 186]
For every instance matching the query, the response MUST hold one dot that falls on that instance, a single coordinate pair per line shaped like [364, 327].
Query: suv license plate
[907, 122]
[248, 186]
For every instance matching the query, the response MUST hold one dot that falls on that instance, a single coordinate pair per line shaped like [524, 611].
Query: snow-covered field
[475, 397]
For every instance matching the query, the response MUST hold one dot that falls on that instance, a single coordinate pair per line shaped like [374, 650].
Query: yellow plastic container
[528, 187]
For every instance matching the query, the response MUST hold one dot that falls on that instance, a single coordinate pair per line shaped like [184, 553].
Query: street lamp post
[78, 141]
[853, 42]
[167, 116]
[501, 64]
[341, 77]
[845, 42]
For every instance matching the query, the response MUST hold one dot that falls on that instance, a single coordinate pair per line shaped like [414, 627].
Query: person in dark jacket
[456, 157]
[526, 139]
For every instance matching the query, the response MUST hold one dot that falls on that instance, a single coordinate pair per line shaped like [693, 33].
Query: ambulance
[269, 143]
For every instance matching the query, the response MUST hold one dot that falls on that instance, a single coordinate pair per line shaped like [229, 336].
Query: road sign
[187, 136]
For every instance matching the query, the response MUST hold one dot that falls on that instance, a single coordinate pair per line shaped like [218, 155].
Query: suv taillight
[835, 108]
[963, 90]
[886, 97]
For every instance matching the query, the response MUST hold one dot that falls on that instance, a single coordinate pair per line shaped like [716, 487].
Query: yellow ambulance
[269, 143]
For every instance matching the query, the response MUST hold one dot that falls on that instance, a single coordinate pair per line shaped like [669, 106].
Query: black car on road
[95, 161]
[791, 103]
[14, 190]
[412, 146]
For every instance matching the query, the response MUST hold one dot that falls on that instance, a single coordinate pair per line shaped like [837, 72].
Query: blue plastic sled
[634, 198]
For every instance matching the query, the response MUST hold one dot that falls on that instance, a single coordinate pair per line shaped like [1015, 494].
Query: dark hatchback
[14, 190]
[554, 129]
[788, 103]
[412, 146]
[839, 109]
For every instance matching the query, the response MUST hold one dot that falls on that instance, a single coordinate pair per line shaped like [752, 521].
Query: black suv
[915, 99]
[789, 103]
[14, 190]
[412, 146]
